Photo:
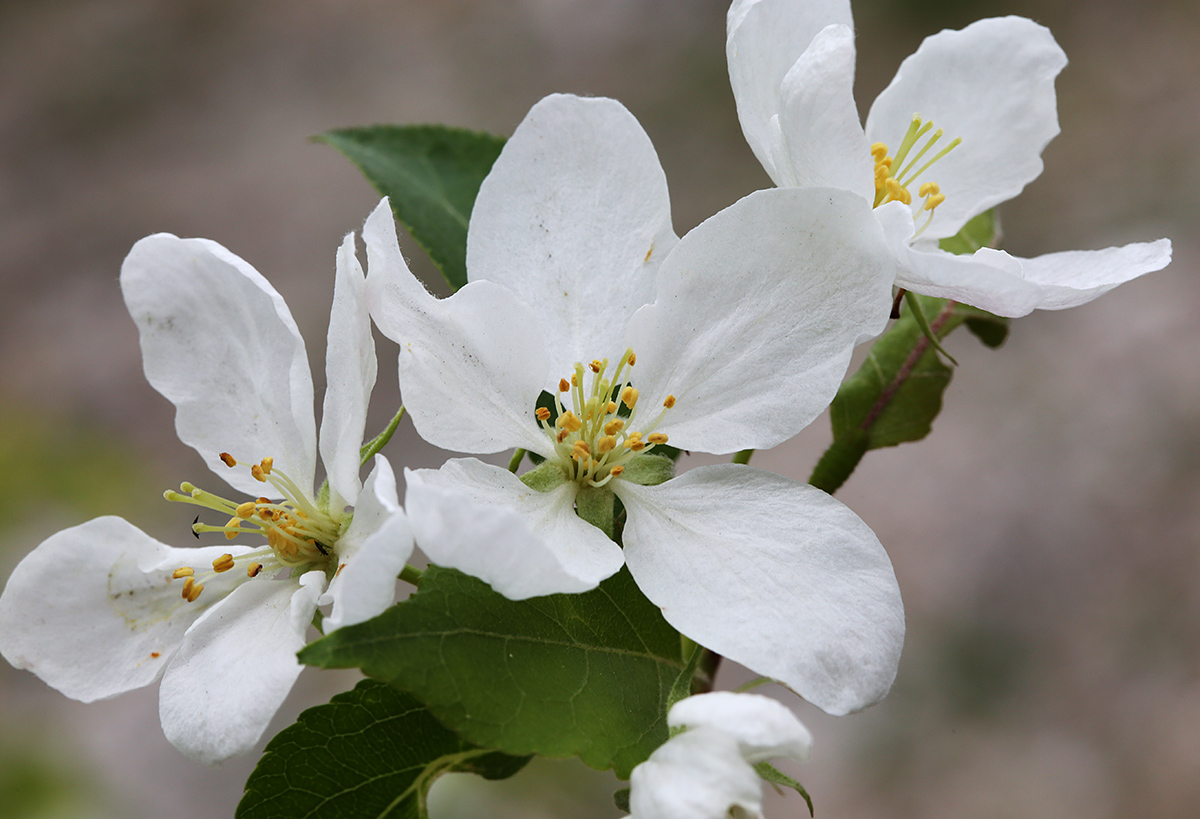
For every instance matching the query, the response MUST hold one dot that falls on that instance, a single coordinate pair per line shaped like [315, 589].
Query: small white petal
[764, 728]
[765, 38]
[370, 554]
[777, 576]
[699, 774]
[471, 366]
[480, 519]
[92, 611]
[759, 309]
[826, 146]
[992, 84]
[1075, 277]
[236, 666]
[219, 343]
[350, 370]
[574, 218]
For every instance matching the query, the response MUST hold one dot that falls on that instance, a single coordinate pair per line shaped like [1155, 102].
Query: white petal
[699, 774]
[575, 219]
[773, 574]
[236, 666]
[471, 366]
[1076, 277]
[220, 344]
[92, 611]
[992, 84]
[765, 38]
[480, 519]
[826, 146]
[350, 370]
[764, 728]
[988, 279]
[758, 311]
[370, 554]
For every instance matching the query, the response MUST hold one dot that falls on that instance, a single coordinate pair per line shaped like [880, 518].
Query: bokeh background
[1046, 535]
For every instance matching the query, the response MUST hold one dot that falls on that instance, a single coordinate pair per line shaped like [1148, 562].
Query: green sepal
[649, 470]
[545, 477]
[595, 504]
[979, 231]
[431, 175]
[369, 449]
[621, 799]
[583, 675]
[373, 751]
[779, 779]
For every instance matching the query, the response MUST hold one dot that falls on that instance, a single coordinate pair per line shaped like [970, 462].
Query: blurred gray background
[1045, 535]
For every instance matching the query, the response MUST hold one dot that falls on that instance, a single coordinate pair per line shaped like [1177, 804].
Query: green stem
[743, 457]
[515, 463]
[377, 443]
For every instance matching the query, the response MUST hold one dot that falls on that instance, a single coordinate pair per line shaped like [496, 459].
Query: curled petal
[471, 366]
[764, 728]
[778, 576]
[92, 611]
[480, 519]
[350, 369]
[699, 774]
[220, 344]
[1075, 277]
[370, 554]
[758, 311]
[575, 219]
[236, 666]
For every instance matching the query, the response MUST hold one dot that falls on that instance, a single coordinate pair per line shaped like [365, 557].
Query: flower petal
[220, 344]
[764, 728]
[370, 554]
[1075, 277]
[765, 38]
[236, 666]
[574, 218]
[699, 774]
[350, 370]
[778, 576]
[826, 146]
[92, 610]
[758, 311]
[471, 366]
[480, 519]
[992, 84]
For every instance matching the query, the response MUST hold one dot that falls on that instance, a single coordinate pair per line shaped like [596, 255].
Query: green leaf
[779, 779]
[562, 675]
[370, 752]
[981, 231]
[431, 174]
[897, 392]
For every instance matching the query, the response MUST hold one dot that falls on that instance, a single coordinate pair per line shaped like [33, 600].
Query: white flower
[707, 771]
[734, 337]
[984, 94]
[103, 608]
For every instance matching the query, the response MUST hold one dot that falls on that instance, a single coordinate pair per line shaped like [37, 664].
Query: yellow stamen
[616, 471]
[669, 401]
[563, 386]
[606, 444]
[614, 426]
[629, 396]
[185, 571]
[267, 463]
[656, 438]
[253, 569]
[194, 592]
[233, 528]
[596, 365]
[228, 459]
[188, 585]
[632, 359]
[257, 472]
[223, 563]
[245, 510]
[542, 414]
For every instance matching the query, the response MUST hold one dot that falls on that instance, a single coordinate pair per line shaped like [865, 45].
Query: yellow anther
[612, 407]
[574, 380]
[596, 366]
[562, 436]
[629, 396]
[253, 569]
[616, 471]
[194, 592]
[614, 426]
[245, 511]
[223, 563]
[582, 448]
[234, 523]
[879, 151]
[563, 386]
[228, 459]
[656, 438]
[188, 585]
[258, 473]
[669, 401]
[632, 358]
[935, 200]
[606, 444]
[928, 188]
[542, 414]
[635, 445]
[185, 571]
[569, 421]
[267, 463]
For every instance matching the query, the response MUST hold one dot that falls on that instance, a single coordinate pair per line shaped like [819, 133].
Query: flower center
[894, 175]
[595, 433]
[300, 536]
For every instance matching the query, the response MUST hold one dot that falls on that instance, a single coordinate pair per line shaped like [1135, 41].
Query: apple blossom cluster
[596, 345]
